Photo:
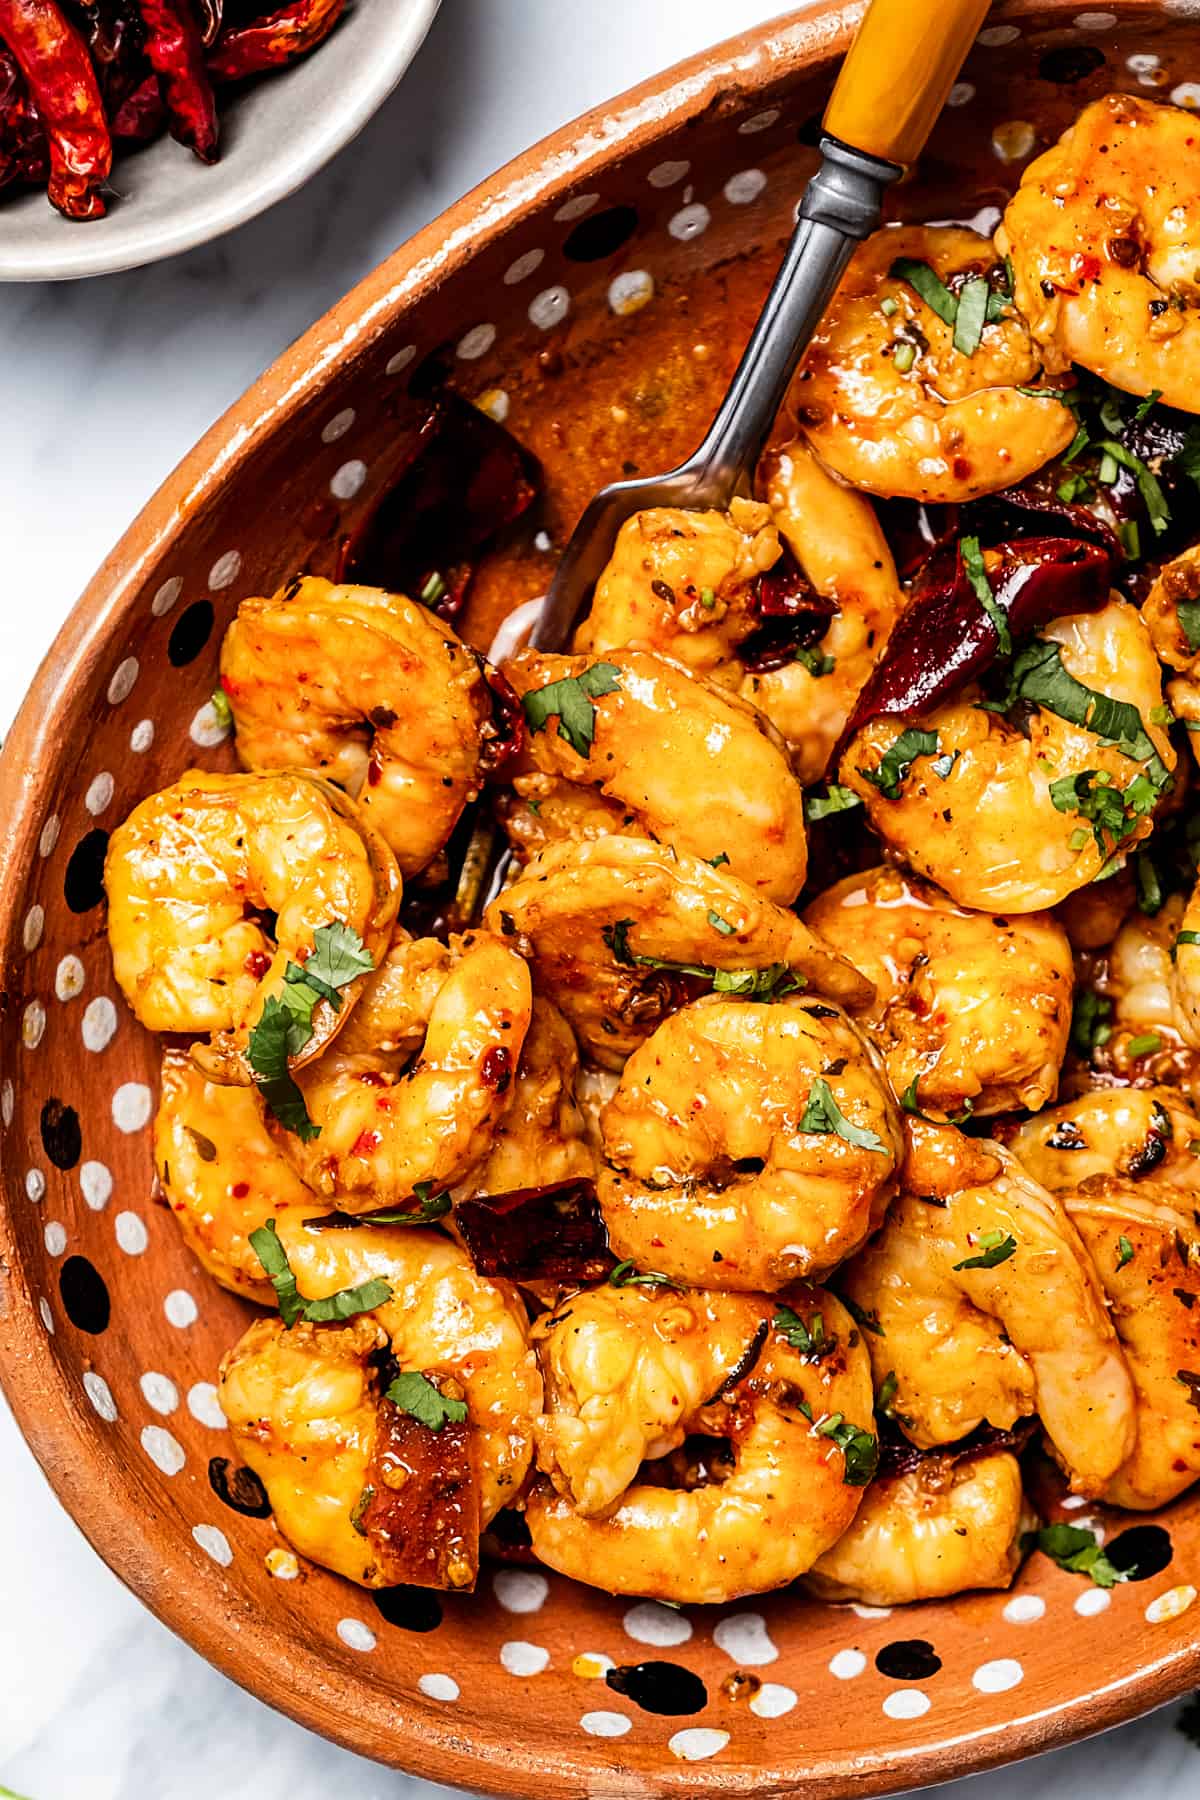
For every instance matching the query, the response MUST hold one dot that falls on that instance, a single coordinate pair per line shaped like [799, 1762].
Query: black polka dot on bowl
[61, 1136]
[190, 633]
[1070, 63]
[410, 1608]
[601, 234]
[659, 1687]
[908, 1659]
[83, 883]
[238, 1487]
[84, 1295]
[1140, 1552]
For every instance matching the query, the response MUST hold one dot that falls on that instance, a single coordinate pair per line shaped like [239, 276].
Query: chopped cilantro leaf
[1143, 406]
[995, 1247]
[721, 925]
[866, 1321]
[627, 1274]
[1124, 1251]
[1090, 1027]
[810, 1339]
[859, 1448]
[285, 1024]
[433, 590]
[929, 286]
[1188, 614]
[293, 1305]
[823, 1114]
[222, 713]
[714, 862]
[570, 701]
[771, 983]
[896, 762]
[815, 661]
[972, 311]
[1075, 1548]
[1147, 1043]
[975, 570]
[415, 1394]
[1153, 498]
[835, 800]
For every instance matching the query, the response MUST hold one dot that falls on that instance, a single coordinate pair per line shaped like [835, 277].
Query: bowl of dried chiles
[131, 129]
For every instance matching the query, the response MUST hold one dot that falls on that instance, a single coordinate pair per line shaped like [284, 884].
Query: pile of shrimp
[793, 1173]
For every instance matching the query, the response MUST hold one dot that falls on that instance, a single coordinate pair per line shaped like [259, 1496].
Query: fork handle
[898, 72]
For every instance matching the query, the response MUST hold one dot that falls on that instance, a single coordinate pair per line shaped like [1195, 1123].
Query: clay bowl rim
[255, 1652]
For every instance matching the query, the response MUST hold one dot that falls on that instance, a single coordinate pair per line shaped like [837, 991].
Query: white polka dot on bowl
[400, 360]
[666, 174]
[1171, 1605]
[999, 1676]
[35, 1185]
[338, 426]
[520, 1658]
[49, 836]
[907, 1703]
[961, 94]
[142, 736]
[847, 1664]
[69, 978]
[99, 1023]
[476, 342]
[549, 308]
[96, 1185]
[606, 1724]
[439, 1687]
[124, 679]
[1091, 1602]
[204, 1405]
[214, 1543]
[744, 187]
[8, 1102]
[159, 1392]
[99, 794]
[131, 1233]
[225, 571]
[355, 1635]
[689, 221]
[46, 1316]
[32, 928]
[630, 291]
[1095, 21]
[696, 1743]
[100, 1395]
[166, 596]
[180, 1309]
[33, 1024]
[996, 35]
[576, 207]
[131, 1106]
[523, 267]
[208, 728]
[349, 480]
[649, 1622]
[54, 1236]
[745, 1639]
[520, 1590]
[760, 121]
[164, 1451]
[1023, 1609]
[773, 1700]
[869, 1612]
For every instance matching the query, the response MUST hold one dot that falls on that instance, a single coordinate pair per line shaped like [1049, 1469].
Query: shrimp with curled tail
[542, 1138]
[748, 1145]
[372, 691]
[989, 1310]
[892, 402]
[354, 1482]
[629, 1372]
[970, 1011]
[1102, 234]
[191, 867]
[942, 1527]
[385, 1124]
[614, 926]
[700, 769]
[1121, 1161]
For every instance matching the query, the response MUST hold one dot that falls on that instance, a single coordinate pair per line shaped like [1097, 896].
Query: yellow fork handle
[900, 68]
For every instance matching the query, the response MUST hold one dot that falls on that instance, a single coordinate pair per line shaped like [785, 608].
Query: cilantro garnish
[1038, 674]
[1186, 937]
[1090, 1027]
[1188, 614]
[285, 1024]
[859, 1448]
[1147, 1043]
[896, 762]
[1110, 811]
[293, 1305]
[931, 287]
[817, 662]
[570, 701]
[627, 1274]
[823, 1114]
[415, 1394]
[975, 570]
[721, 925]
[1124, 1251]
[223, 714]
[835, 800]
[866, 1321]
[769, 983]
[1075, 1548]
[995, 1247]
[1153, 498]
[811, 1340]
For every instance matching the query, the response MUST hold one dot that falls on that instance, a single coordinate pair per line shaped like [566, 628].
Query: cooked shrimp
[305, 1409]
[190, 867]
[1103, 234]
[977, 811]
[748, 1145]
[970, 1011]
[1172, 600]
[835, 536]
[970, 1344]
[368, 689]
[701, 769]
[384, 1129]
[588, 912]
[544, 809]
[629, 1372]
[542, 1138]
[945, 1526]
[890, 402]
[682, 584]
[1131, 1136]
[1149, 1033]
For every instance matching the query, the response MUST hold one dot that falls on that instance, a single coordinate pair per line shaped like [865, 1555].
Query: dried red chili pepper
[142, 115]
[62, 83]
[504, 734]
[175, 49]
[212, 12]
[114, 37]
[23, 155]
[269, 43]
[552, 1233]
[944, 638]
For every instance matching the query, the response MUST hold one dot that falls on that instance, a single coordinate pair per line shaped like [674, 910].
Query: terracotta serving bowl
[595, 293]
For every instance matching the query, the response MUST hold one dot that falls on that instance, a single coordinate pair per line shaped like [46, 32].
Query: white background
[105, 384]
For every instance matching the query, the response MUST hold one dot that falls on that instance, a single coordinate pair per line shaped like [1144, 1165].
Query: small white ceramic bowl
[274, 134]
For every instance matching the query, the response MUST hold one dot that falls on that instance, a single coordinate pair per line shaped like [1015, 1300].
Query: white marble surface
[105, 385]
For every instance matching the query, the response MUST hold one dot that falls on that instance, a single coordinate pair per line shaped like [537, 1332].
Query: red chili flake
[175, 50]
[269, 43]
[374, 773]
[62, 84]
[240, 1189]
[257, 963]
[496, 1068]
[365, 1143]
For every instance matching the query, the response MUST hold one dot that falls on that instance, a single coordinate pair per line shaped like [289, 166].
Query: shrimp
[1124, 1164]
[189, 868]
[991, 811]
[368, 689]
[988, 1309]
[971, 1012]
[353, 1482]
[682, 584]
[945, 1526]
[1102, 233]
[888, 399]
[629, 1372]
[614, 926]
[701, 769]
[748, 1145]
[1169, 609]
[383, 1129]
[545, 809]
[834, 534]
[542, 1138]
[1148, 1034]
